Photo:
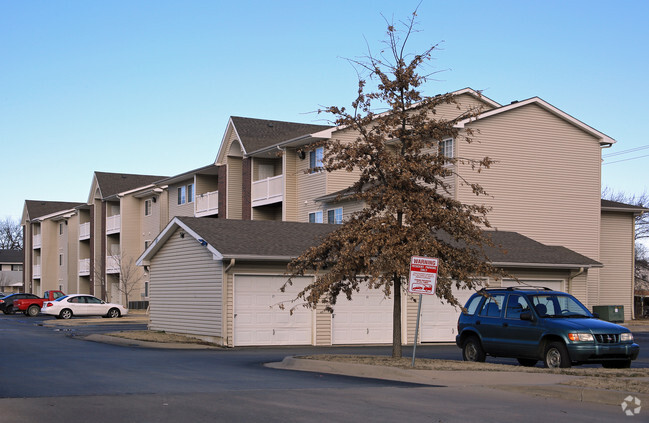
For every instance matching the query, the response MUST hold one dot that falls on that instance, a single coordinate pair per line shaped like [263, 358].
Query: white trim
[603, 138]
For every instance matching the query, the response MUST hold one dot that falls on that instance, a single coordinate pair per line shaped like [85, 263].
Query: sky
[147, 87]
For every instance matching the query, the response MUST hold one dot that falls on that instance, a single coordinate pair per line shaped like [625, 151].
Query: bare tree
[130, 275]
[409, 206]
[11, 234]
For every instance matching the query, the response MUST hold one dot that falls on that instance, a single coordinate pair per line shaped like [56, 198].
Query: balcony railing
[36, 271]
[37, 241]
[84, 231]
[112, 264]
[206, 204]
[84, 267]
[113, 224]
[268, 191]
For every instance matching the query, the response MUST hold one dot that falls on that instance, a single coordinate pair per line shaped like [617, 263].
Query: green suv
[532, 324]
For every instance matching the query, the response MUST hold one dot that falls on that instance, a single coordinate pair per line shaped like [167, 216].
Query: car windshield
[557, 305]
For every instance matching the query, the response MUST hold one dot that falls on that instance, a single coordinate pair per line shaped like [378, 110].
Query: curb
[538, 384]
[124, 342]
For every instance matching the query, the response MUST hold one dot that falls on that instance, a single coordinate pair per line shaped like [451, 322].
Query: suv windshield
[554, 305]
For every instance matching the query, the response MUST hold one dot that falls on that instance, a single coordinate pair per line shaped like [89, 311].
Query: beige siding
[309, 187]
[269, 212]
[617, 255]
[546, 183]
[322, 326]
[290, 213]
[234, 193]
[186, 289]
[176, 209]
[206, 183]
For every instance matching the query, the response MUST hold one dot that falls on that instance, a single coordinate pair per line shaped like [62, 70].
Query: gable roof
[257, 134]
[282, 241]
[111, 184]
[36, 208]
[11, 256]
[603, 138]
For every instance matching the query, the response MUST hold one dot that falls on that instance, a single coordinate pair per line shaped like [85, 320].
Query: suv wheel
[556, 356]
[472, 350]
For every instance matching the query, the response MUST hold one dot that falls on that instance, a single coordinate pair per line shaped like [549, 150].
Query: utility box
[610, 313]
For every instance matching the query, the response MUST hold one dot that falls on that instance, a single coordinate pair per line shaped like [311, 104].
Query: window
[315, 159]
[147, 207]
[516, 304]
[60, 228]
[493, 305]
[16, 267]
[473, 304]
[446, 148]
[146, 288]
[335, 216]
[60, 259]
[182, 195]
[190, 193]
[315, 217]
[146, 244]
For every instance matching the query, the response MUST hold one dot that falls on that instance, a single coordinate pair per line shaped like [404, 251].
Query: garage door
[366, 319]
[439, 320]
[258, 320]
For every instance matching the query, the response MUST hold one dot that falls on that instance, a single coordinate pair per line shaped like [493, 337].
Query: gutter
[547, 266]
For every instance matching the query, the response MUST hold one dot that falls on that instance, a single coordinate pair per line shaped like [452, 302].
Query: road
[52, 376]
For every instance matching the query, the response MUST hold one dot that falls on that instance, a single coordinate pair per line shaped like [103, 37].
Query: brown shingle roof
[256, 134]
[290, 239]
[622, 207]
[11, 256]
[114, 183]
[36, 208]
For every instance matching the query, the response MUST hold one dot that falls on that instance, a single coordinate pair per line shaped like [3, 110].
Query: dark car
[7, 303]
[532, 324]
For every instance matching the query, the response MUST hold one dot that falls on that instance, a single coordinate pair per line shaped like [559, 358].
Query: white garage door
[438, 321]
[258, 320]
[366, 319]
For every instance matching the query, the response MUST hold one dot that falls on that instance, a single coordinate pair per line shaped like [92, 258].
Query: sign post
[423, 280]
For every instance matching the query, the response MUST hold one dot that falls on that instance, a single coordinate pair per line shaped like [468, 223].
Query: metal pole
[414, 348]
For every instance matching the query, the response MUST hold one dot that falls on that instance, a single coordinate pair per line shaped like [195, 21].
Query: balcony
[37, 241]
[206, 204]
[113, 224]
[36, 271]
[268, 191]
[84, 267]
[112, 264]
[84, 231]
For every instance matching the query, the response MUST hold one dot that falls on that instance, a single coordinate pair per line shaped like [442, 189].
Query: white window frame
[317, 217]
[190, 193]
[148, 205]
[316, 158]
[182, 195]
[337, 216]
[446, 148]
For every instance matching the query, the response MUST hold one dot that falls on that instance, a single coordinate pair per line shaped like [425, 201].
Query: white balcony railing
[36, 271]
[84, 231]
[112, 264]
[268, 191]
[206, 204]
[37, 241]
[113, 224]
[84, 267]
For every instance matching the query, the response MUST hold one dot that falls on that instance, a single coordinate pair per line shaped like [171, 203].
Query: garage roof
[275, 240]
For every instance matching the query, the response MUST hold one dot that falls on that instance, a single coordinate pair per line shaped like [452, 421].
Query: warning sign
[423, 275]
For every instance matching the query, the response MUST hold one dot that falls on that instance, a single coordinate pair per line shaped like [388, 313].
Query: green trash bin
[610, 313]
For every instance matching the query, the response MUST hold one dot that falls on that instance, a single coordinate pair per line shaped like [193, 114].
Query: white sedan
[82, 305]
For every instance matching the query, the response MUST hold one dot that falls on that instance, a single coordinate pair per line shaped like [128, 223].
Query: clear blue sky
[148, 86]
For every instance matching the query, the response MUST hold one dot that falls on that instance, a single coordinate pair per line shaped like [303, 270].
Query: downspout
[224, 318]
[570, 278]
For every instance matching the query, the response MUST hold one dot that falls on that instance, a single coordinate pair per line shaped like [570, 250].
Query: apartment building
[544, 192]
[11, 271]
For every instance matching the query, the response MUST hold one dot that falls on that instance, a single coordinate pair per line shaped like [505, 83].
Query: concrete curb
[539, 384]
[123, 342]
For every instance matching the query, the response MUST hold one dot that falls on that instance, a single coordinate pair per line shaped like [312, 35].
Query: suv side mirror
[596, 315]
[526, 315]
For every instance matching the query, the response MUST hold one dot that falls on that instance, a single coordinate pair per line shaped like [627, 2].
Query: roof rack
[530, 287]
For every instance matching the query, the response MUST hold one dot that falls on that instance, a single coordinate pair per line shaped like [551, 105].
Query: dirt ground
[626, 380]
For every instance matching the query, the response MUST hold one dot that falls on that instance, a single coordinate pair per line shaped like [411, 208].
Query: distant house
[11, 271]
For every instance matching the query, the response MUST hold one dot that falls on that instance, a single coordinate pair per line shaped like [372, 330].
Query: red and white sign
[423, 275]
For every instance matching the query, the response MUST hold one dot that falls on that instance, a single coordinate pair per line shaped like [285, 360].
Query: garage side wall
[617, 255]
[186, 289]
